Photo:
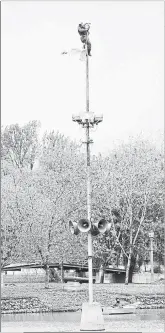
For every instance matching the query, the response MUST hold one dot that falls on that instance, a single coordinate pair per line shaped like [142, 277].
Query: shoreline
[67, 311]
[145, 303]
[34, 298]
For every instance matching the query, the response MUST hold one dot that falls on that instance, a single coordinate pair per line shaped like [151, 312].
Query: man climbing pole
[83, 30]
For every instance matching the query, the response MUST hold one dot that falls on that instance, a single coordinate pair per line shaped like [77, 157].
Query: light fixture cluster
[87, 119]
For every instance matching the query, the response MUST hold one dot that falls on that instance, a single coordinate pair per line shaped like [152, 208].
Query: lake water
[142, 320]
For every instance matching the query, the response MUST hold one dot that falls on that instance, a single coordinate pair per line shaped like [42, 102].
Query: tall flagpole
[91, 316]
[88, 185]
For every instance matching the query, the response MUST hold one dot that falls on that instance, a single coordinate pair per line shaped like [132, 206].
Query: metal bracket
[89, 141]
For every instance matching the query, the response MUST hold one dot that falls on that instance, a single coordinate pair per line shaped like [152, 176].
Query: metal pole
[88, 186]
[87, 81]
[152, 261]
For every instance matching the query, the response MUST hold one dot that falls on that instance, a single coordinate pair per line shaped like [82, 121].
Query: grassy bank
[35, 298]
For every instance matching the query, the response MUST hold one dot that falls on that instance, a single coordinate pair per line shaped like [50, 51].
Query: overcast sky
[126, 67]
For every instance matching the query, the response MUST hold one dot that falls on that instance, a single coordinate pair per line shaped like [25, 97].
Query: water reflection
[139, 315]
[51, 316]
[147, 314]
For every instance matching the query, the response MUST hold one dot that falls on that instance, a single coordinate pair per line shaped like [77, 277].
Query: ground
[35, 298]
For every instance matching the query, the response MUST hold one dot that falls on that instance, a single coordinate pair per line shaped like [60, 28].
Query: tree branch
[141, 219]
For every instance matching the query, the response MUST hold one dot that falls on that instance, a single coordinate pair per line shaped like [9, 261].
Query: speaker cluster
[84, 225]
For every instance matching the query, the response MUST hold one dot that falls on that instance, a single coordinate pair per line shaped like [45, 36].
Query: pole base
[92, 317]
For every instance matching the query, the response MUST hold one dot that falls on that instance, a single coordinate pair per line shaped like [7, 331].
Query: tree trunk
[47, 277]
[128, 266]
[101, 274]
[117, 259]
[1, 280]
[130, 244]
[62, 273]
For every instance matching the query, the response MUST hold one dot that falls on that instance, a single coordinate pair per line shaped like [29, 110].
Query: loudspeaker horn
[84, 225]
[108, 226]
[73, 228]
[102, 225]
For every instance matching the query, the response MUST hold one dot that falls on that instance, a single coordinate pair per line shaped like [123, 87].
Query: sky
[126, 70]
